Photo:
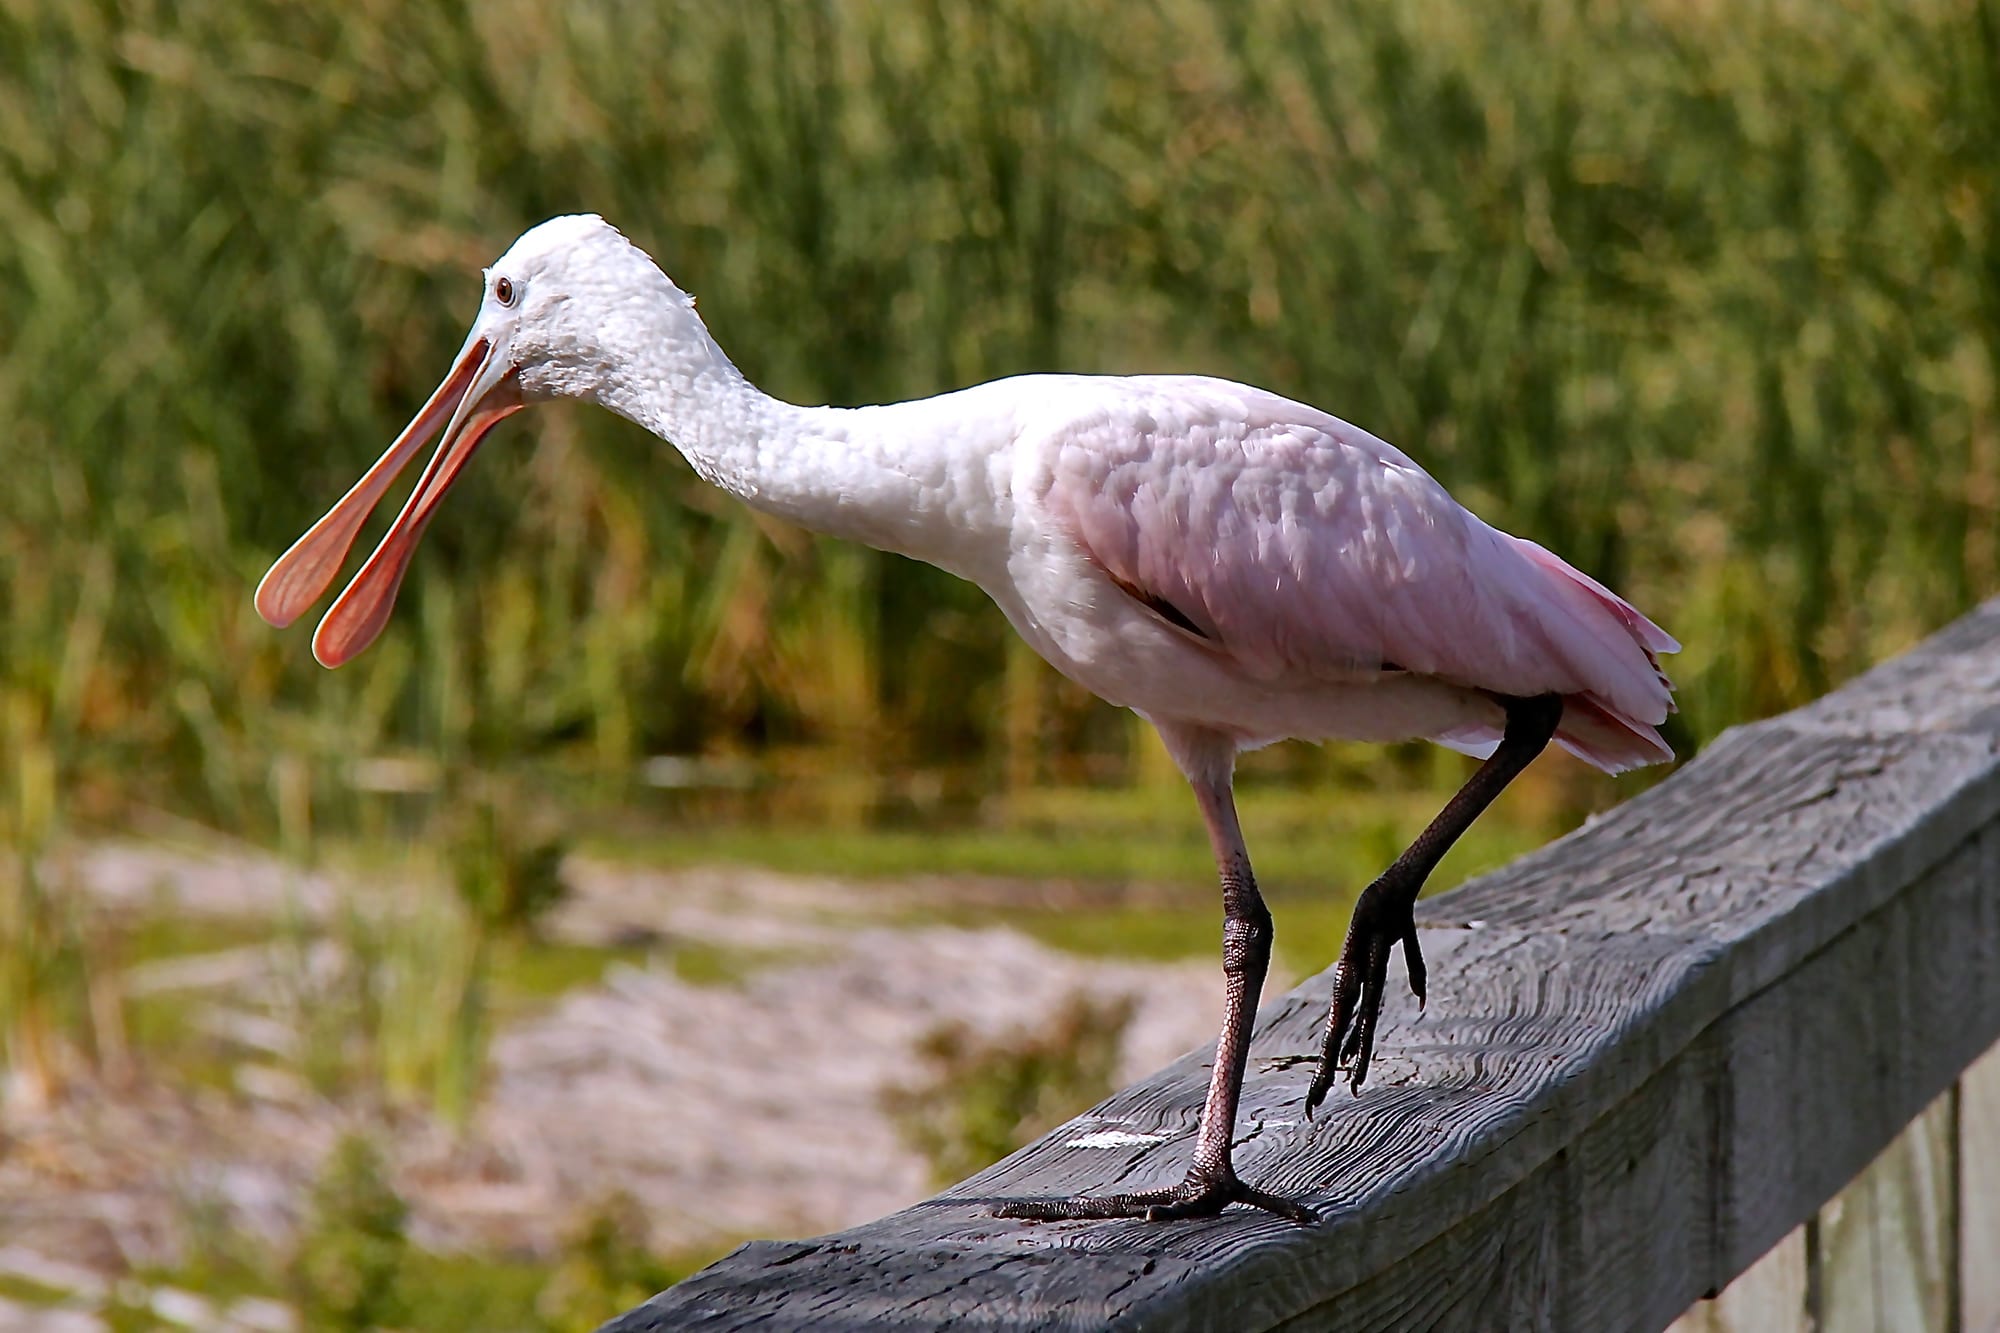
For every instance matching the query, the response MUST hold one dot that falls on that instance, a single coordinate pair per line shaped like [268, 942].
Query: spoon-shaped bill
[301, 574]
[359, 613]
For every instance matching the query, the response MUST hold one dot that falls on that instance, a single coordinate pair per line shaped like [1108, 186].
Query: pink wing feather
[1306, 549]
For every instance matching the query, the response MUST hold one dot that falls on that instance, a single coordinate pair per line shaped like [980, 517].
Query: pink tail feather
[1650, 636]
[1613, 723]
[1614, 736]
[1606, 738]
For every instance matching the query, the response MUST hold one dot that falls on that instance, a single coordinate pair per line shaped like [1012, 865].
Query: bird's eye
[503, 289]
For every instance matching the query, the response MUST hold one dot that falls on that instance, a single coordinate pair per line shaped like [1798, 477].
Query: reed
[1706, 297]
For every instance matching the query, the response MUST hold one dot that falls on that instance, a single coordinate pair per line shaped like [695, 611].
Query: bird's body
[1192, 548]
[1237, 567]
[1216, 556]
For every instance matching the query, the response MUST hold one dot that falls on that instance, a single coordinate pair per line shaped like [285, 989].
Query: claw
[1384, 913]
[1339, 1018]
[1360, 981]
[1352, 1046]
[1316, 1092]
[1357, 1073]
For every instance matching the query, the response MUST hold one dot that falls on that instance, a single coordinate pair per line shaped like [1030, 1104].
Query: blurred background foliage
[1706, 297]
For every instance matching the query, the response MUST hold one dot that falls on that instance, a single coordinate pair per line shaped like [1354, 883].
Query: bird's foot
[1203, 1194]
[1382, 919]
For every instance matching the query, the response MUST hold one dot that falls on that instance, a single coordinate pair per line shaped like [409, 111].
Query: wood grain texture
[1651, 1050]
[1770, 1297]
[1979, 1193]
[1885, 1241]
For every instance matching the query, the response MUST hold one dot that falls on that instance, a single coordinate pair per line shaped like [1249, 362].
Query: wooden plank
[1769, 1298]
[1651, 1050]
[1885, 1259]
[1979, 1191]
[1859, 1041]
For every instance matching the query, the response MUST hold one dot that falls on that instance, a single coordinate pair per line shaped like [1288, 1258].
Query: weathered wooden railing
[1654, 1051]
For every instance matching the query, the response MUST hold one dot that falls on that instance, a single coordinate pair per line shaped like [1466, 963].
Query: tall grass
[1706, 297]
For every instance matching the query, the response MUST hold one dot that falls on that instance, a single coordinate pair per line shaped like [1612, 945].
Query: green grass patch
[528, 972]
[23, 1291]
[456, 1292]
[1309, 929]
[1317, 838]
[154, 933]
[571, 1293]
[447, 1293]
[162, 1027]
[701, 963]
[863, 853]
[164, 1033]
[1145, 875]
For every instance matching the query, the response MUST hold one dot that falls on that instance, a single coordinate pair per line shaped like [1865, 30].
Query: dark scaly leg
[1385, 913]
[1211, 1184]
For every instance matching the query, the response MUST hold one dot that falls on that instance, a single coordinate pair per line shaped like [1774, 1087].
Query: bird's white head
[551, 304]
[561, 295]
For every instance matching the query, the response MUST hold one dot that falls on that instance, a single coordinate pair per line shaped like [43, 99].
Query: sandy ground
[752, 1108]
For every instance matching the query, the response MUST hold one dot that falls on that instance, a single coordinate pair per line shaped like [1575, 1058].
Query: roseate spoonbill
[1235, 567]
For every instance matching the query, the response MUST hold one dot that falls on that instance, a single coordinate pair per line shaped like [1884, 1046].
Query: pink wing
[1306, 549]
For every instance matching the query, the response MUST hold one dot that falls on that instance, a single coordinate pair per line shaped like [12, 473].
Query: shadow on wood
[1653, 1049]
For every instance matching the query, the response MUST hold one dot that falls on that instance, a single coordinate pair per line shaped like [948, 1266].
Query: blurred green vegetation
[346, 1269]
[981, 1098]
[354, 1266]
[1705, 297]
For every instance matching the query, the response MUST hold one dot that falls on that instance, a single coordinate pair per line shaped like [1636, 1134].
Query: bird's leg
[1211, 1184]
[1384, 916]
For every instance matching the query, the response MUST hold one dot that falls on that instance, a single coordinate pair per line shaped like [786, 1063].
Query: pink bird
[1236, 567]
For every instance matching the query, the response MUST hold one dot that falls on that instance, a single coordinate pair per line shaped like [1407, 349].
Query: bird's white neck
[908, 477]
